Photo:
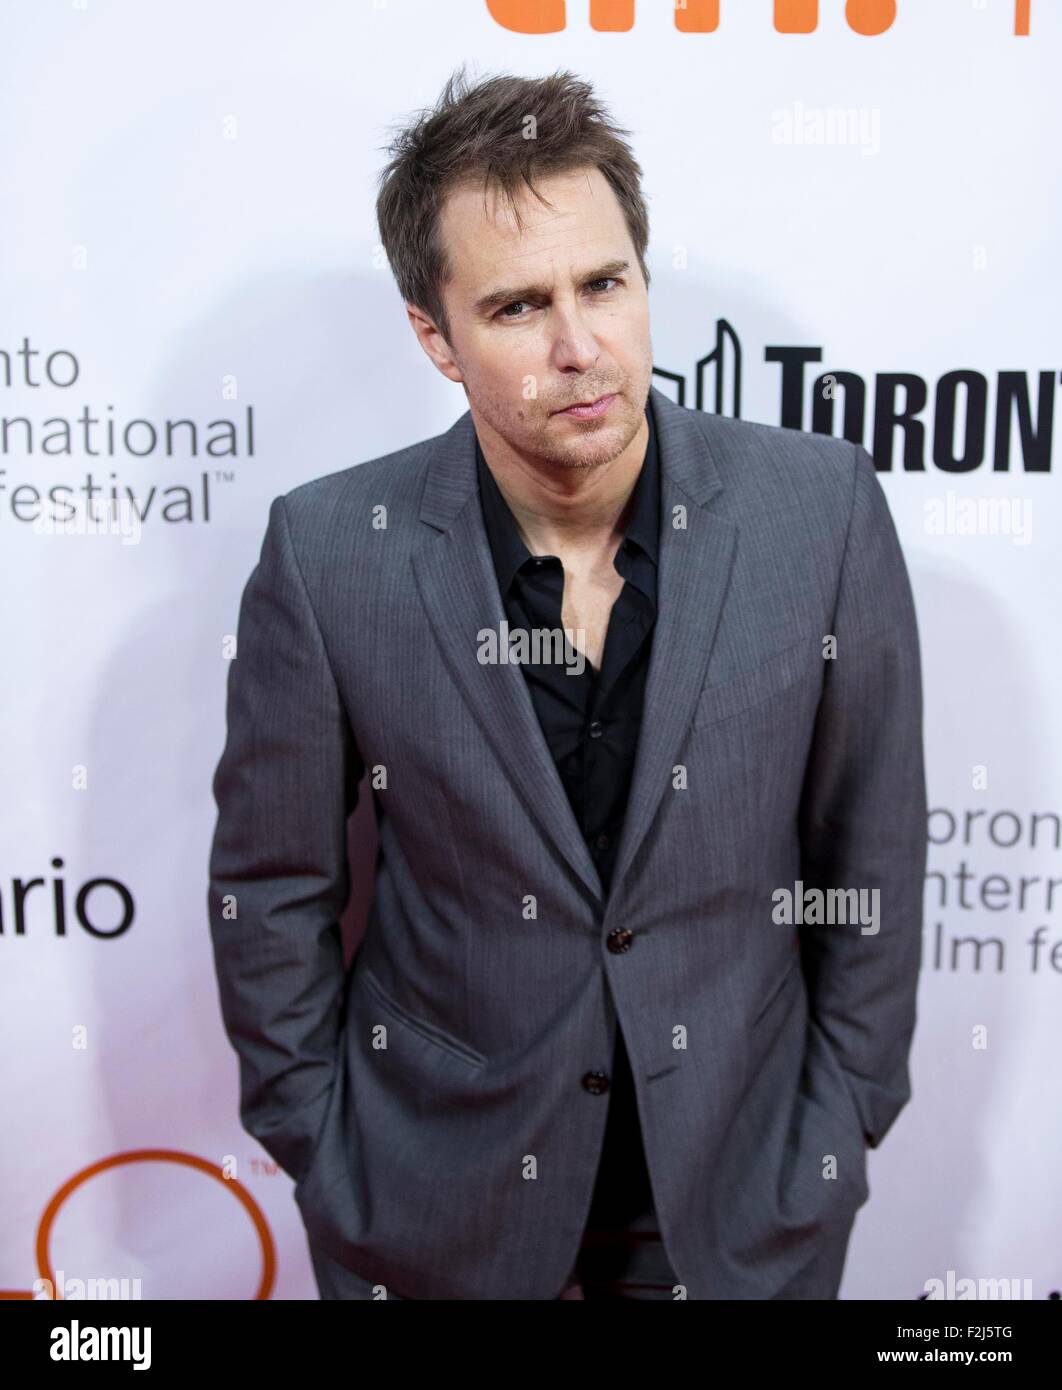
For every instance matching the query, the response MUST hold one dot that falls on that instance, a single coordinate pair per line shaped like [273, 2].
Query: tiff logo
[866, 17]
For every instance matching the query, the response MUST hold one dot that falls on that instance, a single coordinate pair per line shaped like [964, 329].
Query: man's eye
[606, 280]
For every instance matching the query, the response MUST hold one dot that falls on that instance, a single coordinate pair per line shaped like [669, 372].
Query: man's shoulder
[775, 470]
[336, 514]
[772, 451]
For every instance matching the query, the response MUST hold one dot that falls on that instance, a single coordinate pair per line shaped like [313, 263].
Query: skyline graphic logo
[964, 421]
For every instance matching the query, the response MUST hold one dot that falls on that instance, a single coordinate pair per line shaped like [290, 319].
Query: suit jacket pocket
[830, 1110]
[427, 1031]
[782, 671]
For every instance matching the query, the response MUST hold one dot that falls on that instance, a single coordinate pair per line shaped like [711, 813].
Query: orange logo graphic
[867, 17]
[254, 1211]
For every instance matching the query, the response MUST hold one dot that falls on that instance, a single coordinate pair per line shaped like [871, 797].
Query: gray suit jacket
[439, 1102]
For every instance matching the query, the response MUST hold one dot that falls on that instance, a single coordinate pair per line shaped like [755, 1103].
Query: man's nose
[575, 346]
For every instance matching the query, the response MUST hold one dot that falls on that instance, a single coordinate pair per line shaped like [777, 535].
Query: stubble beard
[597, 446]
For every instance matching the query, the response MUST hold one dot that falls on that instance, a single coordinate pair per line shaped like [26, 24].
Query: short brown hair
[480, 131]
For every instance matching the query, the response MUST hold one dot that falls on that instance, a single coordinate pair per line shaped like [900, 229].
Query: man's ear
[432, 341]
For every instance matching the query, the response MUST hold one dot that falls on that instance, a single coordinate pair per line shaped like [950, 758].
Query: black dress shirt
[591, 722]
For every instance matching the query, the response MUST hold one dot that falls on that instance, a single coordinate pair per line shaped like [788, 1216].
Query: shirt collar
[509, 550]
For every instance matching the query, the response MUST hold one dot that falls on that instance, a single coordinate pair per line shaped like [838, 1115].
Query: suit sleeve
[863, 814]
[279, 878]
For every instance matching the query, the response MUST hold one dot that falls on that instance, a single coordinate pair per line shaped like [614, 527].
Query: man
[611, 1031]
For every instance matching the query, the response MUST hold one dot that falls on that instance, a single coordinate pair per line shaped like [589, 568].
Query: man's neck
[562, 509]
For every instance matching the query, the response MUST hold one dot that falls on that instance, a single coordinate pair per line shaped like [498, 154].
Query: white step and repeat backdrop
[195, 313]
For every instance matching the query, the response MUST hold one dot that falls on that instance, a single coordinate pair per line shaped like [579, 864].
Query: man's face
[546, 317]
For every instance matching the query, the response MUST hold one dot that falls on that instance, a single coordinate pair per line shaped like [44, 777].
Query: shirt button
[595, 730]
[603, 842]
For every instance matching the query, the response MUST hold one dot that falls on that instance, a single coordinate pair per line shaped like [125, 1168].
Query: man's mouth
[589, 410]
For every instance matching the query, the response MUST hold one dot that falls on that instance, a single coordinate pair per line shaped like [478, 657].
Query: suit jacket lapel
[695, 559]
[455, 578]
[459, 589]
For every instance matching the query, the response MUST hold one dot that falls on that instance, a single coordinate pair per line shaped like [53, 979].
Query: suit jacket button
[619, 940]
[596, 1082]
